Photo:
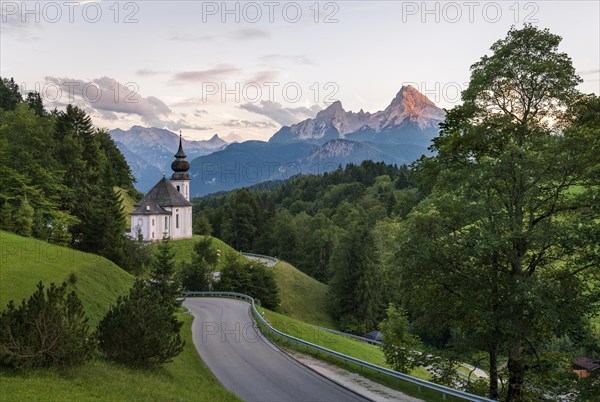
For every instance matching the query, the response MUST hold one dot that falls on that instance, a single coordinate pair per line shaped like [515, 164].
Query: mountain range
[399, 134]
[411, 118]
[149, 151]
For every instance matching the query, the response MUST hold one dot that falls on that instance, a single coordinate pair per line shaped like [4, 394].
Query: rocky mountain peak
[331, 111]
[409, 106]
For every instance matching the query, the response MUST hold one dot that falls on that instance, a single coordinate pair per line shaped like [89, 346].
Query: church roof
[162, 195]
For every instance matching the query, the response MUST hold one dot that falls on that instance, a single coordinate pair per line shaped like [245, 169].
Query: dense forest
[317, 223]
[59, 175]
[488, 249]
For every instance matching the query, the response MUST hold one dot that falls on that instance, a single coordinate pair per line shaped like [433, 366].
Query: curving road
[247, 364]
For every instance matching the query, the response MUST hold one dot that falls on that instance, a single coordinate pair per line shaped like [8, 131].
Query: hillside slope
[302, 297]
[184, 249]
[23, 263]
[26, 261]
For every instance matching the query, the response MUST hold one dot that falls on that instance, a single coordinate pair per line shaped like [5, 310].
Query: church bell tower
[181, 178]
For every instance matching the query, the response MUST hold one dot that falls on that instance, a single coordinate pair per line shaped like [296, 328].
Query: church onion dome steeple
[180, 166]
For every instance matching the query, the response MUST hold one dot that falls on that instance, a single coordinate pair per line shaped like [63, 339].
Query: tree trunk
[493, 352]
[516, 372]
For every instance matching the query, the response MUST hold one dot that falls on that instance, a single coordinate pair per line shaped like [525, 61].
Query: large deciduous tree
[504, 247]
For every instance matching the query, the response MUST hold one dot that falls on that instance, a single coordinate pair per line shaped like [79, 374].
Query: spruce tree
[356, 283]
[23, 219]
[50, 329]
[162, 274]
[141, 329]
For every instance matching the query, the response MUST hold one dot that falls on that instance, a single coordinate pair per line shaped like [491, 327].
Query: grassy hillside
[128, 202]
[295, 286]
[185, 248]
[184, 379]
[302, 297]
[26, 261]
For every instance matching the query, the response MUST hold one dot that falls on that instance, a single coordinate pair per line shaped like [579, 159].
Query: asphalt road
[247, 364]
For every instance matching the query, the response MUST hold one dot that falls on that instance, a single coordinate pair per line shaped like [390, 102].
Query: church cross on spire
[180, 154]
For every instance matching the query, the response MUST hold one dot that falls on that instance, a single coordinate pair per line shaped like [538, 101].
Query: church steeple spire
[180, 153]
[180, 166]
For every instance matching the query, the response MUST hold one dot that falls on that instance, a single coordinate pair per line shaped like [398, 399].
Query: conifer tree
[162, 274]
[198, 274]
[23, 219]
[141, 329]
[50, 329]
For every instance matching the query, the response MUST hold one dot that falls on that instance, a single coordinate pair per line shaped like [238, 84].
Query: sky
[244, 69]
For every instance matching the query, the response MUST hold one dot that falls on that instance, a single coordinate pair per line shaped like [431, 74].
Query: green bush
[47, 330]
[399, 346]
[141, 329]
[197, 274]
[252, 278]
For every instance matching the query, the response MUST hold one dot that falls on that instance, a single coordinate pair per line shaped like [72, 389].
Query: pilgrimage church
[166, 210]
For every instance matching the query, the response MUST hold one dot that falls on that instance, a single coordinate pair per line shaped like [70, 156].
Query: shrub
[252, 278]
[198, 274]
[399, 345]
[47, 330]
[141, 329]
[72, 278]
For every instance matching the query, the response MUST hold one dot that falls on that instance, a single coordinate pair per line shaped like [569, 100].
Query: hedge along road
[247, 363]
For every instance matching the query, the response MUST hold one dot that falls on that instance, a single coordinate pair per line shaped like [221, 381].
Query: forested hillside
[320, 223]
[488, 251]
[58, 177]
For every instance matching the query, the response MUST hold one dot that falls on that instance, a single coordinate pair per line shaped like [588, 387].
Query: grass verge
[349, 347]
[186, 378]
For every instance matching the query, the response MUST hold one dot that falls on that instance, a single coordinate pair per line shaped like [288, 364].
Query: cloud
[146, 72]
[297, 59]
[249, 34]
[282, 115]
[191, 38]
[249, 124]
[239, 34]
[200, 112]
[233, 137]
[108, 95]
[218, 72]
[265, 76]
[108, 115]
[109, 98]
[188, 102]
[181, 124]
[13, 22]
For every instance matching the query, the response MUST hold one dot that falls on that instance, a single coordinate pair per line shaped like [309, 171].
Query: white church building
[166, 211]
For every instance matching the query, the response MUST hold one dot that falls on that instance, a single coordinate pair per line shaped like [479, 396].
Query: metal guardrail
[395, 374]
[357, 337]
[264, 257]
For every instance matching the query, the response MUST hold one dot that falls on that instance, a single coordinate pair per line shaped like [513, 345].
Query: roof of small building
[585, 363]
[162, 195]
[375, 335]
